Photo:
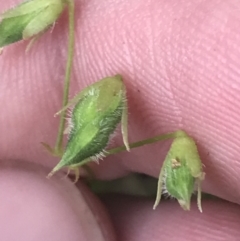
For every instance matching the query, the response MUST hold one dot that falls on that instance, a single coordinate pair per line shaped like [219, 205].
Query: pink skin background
[181, 64]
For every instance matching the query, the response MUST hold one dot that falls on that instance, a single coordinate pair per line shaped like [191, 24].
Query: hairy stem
[59, 142]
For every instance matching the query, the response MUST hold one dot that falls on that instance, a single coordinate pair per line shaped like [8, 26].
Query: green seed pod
[28, 19]
[99, 109]
[181, 170]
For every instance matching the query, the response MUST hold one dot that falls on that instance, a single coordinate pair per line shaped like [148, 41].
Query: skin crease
[180, 63]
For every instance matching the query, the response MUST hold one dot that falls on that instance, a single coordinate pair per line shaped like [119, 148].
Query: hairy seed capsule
[182, 168]
[28, 19]
[99, 109]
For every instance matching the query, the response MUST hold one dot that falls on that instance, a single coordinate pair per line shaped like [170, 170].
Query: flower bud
[28, 19]
[99, 109]
[181, 170]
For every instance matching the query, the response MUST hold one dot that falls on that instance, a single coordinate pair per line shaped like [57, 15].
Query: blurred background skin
[181, 64]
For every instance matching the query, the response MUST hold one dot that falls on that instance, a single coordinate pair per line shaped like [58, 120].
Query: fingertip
[36, 208]
[135, 220]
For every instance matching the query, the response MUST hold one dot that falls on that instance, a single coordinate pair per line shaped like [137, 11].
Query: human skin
[181, 64]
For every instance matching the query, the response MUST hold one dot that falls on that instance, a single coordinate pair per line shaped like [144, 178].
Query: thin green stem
[59, 142]
[161, 137]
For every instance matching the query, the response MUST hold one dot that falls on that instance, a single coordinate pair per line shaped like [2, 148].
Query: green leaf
[28, 19]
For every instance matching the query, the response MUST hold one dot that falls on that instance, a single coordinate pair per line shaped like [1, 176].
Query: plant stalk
[148, 141]
[59, 141]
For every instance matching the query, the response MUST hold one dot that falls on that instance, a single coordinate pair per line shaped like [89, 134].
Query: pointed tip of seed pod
[185, 204]
[127, 147]
[200, 209]
[155, 206]
[118, 76]
[56, 114]
[50, 175]
[52, 172]
[55, 169]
